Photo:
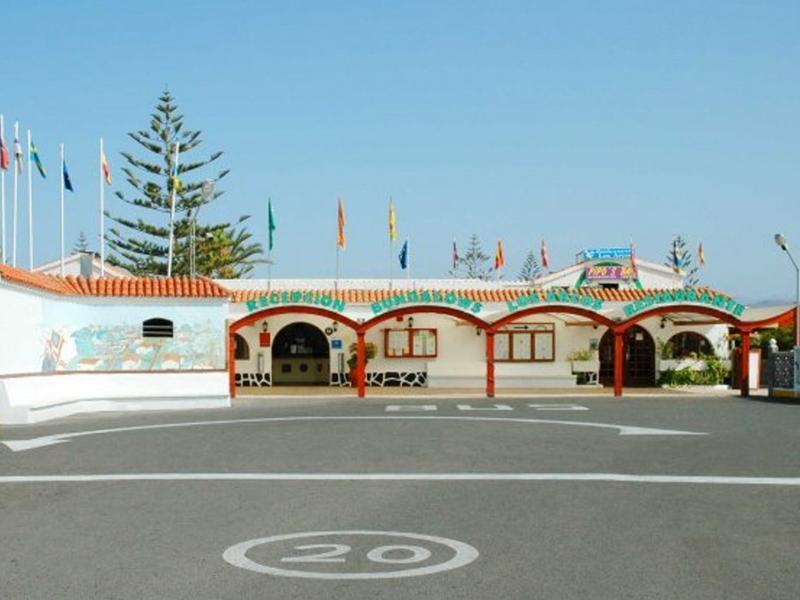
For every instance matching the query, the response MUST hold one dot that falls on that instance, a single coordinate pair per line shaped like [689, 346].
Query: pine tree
[474, 264]
[144, 248]
[686, 266]
[81, 244]
[530, 270]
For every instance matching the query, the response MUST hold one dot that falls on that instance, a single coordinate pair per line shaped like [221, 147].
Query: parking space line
[433, 477]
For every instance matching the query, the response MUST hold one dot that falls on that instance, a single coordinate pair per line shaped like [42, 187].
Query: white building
[166, 343]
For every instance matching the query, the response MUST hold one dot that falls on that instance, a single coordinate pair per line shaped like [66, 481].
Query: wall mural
[198, 345]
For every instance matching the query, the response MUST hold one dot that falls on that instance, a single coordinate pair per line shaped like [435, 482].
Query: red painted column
[489, 364]
[619, 362]
[361, 365]
[744, 365]
[230, 356]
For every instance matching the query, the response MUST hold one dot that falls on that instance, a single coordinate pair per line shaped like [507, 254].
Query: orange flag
[341, 241]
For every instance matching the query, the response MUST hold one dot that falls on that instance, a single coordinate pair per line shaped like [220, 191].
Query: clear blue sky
[579, 122]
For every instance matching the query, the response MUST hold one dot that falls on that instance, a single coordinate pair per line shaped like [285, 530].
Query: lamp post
[207, 192]
[784, 245]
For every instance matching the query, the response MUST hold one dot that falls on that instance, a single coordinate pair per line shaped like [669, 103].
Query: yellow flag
[392, 221]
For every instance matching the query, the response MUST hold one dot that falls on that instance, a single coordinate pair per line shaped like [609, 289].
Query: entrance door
[640, 358]
[300, 356]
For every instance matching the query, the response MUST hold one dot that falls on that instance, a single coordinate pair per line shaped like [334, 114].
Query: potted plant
[352, 362]
[585, 364]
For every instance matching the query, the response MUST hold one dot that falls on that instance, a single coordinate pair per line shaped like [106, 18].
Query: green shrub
[714, 373]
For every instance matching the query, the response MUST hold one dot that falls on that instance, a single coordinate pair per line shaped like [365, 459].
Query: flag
[701, 255]
[35, 159]
[392, 222]
[271, 225]
[676, 256]
[177, 185]
[545, 257]
[67, 182]
[341, 241]
[499, 259]
[105, 168]
[404, 256]
[3, 153]
[633, 256]
[18, 155]
[455, 254]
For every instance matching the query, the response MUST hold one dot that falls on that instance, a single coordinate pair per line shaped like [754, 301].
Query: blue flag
[404, 255]
[67, 182]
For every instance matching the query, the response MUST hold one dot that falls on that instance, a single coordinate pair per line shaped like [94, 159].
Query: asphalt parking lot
[309, 498]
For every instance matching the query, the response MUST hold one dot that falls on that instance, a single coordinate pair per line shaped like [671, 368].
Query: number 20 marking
[376, 555]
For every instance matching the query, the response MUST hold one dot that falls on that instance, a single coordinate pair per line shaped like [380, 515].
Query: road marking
[236, 555]
[571, 477]
[60, 438]
[557, 407]
[411, 407]
[493, 407]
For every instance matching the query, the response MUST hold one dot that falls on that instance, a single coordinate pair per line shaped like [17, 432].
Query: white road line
[570, 477]
[557, 407]
[411, 408]
[60, 438]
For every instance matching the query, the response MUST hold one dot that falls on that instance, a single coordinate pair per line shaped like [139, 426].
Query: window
[242, 349]
[157, 328]
[528, 342]
[690, 344]
[409, 343]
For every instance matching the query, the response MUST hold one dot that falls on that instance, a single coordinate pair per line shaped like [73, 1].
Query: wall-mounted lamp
[410, 322]
[265, 327]
[477, 331]
[663, 322]
[335, 326]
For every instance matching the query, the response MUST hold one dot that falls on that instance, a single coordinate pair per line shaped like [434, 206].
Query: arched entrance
[300, 356]
[639, 351]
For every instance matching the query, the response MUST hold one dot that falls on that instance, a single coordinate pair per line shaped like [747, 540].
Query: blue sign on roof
[603, 253]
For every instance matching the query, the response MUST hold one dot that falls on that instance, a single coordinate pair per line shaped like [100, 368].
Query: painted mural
[121, 347]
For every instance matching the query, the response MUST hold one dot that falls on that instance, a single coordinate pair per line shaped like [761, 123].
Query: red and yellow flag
[499, 259]
[341, 241]
[105, 168]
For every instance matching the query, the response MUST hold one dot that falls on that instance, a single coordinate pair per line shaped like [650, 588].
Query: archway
[300, 356]
[639, 351]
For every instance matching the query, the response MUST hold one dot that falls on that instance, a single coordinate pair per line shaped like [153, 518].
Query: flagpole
[102, 215]
[14, 208]
[336, 281]
[30, 207]
[391, 260]
[3, 194]
[174, 176]
[408, 259]
[62, 210]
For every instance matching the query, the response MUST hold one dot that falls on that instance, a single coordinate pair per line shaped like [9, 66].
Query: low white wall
[32, 399]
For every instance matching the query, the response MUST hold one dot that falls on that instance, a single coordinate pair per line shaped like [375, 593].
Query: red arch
[273, 312]
[552, 308]
[416, 309]
[709, 311]
[292, 310]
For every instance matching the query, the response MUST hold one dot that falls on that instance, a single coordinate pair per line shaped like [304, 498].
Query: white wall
[31, 399]
[21, 328]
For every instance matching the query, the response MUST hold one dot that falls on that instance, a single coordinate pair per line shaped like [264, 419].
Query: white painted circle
[236, 555]
[418, 554]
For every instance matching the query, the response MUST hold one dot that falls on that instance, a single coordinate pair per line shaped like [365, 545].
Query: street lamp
[206, 192]
[784, 245]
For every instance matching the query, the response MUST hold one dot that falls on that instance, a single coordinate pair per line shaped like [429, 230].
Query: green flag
[271, 225]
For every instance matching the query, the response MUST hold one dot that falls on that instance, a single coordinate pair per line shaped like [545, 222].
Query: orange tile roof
[358, 296]
[200, 287]
[131, 287]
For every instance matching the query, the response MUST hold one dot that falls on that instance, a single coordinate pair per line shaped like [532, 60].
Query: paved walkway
[423, 392]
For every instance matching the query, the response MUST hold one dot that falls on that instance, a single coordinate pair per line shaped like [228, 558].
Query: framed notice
[410, 343]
